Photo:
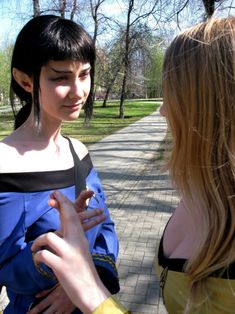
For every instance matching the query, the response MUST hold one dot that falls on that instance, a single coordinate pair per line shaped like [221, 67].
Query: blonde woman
[196, 258]
[197, 250]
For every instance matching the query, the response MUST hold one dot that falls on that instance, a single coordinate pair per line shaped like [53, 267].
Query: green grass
[6, 124]
[105, 121]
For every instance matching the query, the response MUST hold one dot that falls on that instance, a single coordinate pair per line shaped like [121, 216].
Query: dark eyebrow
[60, 71]
[68, 71]
[86, 69]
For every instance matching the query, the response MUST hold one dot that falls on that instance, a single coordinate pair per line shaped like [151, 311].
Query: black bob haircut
[45, 38]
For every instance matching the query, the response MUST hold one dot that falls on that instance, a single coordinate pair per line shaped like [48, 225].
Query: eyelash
[85, 74]
[62, 78]
[58, 79]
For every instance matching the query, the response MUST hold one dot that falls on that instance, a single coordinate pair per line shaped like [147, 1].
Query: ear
[23, 79]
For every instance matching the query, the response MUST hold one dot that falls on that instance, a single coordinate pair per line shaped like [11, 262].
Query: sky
[11, 23]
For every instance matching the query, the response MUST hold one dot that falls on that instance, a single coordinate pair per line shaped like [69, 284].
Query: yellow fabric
[111, 306]
[175, 294]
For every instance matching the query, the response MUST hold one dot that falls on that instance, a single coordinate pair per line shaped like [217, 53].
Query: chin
[73, 117]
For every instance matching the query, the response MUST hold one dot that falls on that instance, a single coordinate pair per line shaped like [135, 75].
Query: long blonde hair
[199, 97]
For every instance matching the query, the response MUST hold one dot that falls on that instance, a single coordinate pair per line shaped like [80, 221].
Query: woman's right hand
[69, 257]
[53, 300]
[88, 218]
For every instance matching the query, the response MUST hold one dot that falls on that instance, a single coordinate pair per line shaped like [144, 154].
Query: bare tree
[95, 5]
[198, 9]
[210, 6]
[130, 23]
[109, 87]
[74, 9]
[63, 4]
[126, 58]
[109, 65]
[36, 8]
[97, 17]
[64, 8]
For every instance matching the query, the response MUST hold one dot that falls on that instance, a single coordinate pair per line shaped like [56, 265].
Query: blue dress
[25, 214]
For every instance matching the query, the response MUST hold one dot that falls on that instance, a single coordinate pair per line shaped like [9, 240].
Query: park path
[141, 200]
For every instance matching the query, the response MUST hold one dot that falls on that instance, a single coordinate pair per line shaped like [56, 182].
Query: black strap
[79, 175]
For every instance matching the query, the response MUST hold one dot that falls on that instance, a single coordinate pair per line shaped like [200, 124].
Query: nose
[76, 90]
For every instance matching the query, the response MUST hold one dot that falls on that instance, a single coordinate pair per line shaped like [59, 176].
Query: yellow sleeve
[111, 305]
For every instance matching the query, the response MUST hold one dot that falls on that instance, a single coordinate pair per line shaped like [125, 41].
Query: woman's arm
[16, 261]
[82, 284]
[103, 239]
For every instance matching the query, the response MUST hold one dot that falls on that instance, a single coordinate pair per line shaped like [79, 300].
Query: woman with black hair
[52, 69]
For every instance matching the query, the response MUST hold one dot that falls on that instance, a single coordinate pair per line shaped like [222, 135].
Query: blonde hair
[199, 97]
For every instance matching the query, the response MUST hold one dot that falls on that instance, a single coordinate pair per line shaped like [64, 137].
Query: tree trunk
[106, 96]
[126, 60]
[110, 85]
[36, 8]
[63, 7]
[73, 10]
[209, 7]
[94, 11]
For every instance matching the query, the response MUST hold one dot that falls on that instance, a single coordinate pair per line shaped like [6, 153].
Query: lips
[74, 107]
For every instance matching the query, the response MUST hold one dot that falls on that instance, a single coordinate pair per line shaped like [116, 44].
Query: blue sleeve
[103, 239]
[17, 269]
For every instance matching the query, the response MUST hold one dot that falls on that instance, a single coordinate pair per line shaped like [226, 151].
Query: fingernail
[94, 196]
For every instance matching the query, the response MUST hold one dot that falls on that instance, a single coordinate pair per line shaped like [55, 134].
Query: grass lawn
[105, 121]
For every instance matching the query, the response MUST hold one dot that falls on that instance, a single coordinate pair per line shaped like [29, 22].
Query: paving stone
[141, 200]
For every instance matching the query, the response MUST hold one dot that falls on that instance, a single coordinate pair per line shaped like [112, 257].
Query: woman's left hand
[55, 301]
[88, 218]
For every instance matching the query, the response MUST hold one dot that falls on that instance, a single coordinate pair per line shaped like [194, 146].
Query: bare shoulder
[5, 148]
[7, 156]
[181, 236]
[79, 148]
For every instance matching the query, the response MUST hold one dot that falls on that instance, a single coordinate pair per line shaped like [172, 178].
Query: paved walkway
[141, 200]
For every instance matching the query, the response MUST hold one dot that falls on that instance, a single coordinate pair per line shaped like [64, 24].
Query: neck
[46, 131]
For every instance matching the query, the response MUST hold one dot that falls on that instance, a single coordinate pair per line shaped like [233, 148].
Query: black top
[42, 180]
[178, 264]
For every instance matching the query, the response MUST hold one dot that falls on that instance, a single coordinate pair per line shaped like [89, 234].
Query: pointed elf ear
[23, 80]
